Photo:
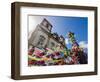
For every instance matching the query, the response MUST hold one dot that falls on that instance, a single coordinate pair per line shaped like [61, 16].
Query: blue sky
[62, 25]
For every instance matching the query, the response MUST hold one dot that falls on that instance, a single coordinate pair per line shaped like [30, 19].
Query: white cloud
[83, 44]
[33, 22]
[66, 41]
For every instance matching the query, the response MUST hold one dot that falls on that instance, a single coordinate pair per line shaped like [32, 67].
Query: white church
[42, 37]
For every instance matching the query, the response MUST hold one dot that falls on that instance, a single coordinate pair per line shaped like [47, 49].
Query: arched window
[52, 44]
[41, 41]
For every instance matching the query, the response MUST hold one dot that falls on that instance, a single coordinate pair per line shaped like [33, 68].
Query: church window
[41, 41]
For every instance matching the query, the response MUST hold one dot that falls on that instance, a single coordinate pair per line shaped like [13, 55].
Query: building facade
[42, 37]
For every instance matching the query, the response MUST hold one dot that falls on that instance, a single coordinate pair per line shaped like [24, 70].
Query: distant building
[42, 37]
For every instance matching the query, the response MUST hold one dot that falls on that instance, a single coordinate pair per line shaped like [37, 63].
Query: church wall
[52, 41]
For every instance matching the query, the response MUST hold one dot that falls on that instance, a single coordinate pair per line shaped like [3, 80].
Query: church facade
[42, 37]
